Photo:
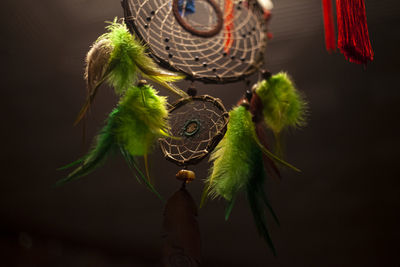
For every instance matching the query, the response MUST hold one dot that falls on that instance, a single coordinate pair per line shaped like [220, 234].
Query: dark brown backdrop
[343, 210]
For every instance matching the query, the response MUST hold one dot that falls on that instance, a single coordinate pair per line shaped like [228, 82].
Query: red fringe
[353, 37]
[330, 41]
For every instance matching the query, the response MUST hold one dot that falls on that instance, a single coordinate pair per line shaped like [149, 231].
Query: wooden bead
[244, 102]
[142, 82]
[185, 175]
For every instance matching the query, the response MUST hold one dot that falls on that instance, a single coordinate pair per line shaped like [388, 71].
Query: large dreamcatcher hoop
[224, 46]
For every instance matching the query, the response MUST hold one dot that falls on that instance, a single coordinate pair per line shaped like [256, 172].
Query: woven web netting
[216, 44]
[197, 125]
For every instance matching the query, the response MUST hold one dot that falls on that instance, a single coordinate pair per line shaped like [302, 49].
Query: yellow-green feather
[121, 63]
[133, 126]
[141, 120]
[234, 156]
[128, 56]
[283, 105]
[238, 166]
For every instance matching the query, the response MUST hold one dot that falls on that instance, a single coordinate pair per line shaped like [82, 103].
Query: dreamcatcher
[213, 41]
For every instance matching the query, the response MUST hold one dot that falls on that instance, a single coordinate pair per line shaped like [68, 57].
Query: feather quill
[117, 57]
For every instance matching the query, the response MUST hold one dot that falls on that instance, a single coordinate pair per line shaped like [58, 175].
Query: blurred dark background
[342, 210]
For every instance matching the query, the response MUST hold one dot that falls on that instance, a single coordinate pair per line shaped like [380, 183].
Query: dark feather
[270, 166]
[182, 235]
[256, 109]
[263, 196]
[259, 218]
[255, 197]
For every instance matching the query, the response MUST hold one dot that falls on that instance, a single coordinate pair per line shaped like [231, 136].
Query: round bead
[185, 175]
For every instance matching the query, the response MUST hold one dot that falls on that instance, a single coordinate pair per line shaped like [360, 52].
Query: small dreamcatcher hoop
[198, 123]
[215, 41]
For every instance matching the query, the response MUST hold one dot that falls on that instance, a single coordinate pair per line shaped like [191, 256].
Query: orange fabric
[228, 22]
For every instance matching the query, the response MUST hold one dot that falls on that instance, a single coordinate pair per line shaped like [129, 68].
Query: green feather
[233, 157]
[134, 167]
[123, 51]
[142, 119]
[263, 196]
[283, 106]
[139, 119]
[76, 162]
[238, 166]
[117, 57]
[128, 55]
[103, 145]
[254, 193]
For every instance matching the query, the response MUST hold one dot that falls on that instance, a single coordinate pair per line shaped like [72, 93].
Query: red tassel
[330, 41]
[353, 38]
